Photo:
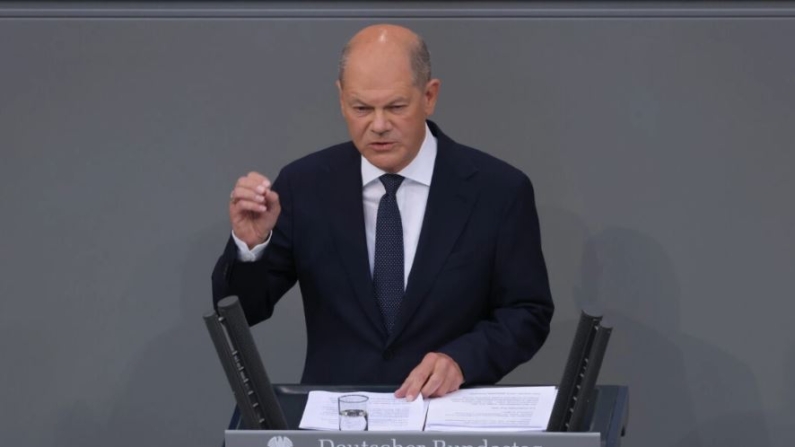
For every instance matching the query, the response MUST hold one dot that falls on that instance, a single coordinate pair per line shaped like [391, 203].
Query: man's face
[384, 109]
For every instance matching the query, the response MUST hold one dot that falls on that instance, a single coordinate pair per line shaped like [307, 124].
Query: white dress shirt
[412, 197]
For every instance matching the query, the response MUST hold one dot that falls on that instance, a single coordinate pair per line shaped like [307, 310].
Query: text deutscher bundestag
[436, 443]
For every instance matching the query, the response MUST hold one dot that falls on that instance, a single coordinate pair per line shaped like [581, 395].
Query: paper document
[492, 409]
[385, 412]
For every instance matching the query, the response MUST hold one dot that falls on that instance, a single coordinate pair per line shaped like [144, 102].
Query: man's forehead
[383, 74]
[379, 66]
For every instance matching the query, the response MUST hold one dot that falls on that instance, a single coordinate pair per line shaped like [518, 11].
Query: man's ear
[431, 95]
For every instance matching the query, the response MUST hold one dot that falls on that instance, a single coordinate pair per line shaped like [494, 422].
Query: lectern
[585, 415]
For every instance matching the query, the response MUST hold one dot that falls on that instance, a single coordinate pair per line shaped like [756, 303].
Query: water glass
[353, 412]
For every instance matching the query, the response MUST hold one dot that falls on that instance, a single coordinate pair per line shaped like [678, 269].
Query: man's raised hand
[253, 209]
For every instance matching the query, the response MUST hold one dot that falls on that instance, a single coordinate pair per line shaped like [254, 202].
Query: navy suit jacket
[477, 291]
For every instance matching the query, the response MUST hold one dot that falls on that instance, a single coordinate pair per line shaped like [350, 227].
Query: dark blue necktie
[388, 264]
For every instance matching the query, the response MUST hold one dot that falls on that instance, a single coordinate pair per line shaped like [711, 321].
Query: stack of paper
[385, 412]
[492, 409]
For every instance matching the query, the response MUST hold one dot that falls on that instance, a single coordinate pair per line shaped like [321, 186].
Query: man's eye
[397, 107]
[361, 108]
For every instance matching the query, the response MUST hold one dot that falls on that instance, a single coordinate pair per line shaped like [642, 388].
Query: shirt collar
[419, 170]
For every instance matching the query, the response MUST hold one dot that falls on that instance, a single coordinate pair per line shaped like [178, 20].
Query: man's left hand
[437, 375]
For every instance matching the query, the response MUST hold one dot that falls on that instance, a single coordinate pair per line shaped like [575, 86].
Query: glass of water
[353, 412]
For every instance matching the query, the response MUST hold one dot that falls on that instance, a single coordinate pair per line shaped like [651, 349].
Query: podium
[584, 414]
[606, 420]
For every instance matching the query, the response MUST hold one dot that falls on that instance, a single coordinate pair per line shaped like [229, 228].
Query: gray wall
[659, 140]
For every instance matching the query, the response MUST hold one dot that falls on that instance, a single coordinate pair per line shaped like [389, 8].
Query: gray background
[659, 139]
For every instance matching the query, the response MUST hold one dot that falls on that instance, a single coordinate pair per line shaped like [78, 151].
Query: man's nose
[381, 122]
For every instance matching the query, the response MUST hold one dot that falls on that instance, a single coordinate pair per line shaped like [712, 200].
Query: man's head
[386, 93]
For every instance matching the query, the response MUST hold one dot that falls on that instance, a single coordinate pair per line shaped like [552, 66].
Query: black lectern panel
[258, 406]
[577, 392]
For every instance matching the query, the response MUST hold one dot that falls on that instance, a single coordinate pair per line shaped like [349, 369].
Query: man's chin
[389, 162]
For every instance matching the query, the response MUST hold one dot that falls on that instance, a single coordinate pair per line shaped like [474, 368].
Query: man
[419, 259]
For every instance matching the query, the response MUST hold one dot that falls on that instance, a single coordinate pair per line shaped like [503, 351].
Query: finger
[450, 384]
[449, 373]
[401, 392]
[257, 178]
[254, 181]
[416, 379]
[434, 382]
[246, 194]
[440, 378]
[272, 201]
[247, 205]
[412, 385]
[421, 375]
[414, 388]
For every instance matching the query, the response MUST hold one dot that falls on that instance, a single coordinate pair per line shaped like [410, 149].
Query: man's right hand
[253, 209]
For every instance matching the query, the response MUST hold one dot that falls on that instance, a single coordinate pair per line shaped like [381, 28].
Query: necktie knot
[391, 182]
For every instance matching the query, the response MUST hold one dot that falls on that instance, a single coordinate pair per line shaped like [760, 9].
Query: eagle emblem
[280, 441]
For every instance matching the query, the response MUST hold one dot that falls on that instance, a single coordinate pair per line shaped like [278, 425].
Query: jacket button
[388, 354]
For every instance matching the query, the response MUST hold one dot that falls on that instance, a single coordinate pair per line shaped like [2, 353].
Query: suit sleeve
[519, 304]
[260, 284]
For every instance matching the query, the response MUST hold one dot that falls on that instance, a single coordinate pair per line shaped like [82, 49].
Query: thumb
[272, 202]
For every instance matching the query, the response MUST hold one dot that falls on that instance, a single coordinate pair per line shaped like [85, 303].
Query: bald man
[419, 259]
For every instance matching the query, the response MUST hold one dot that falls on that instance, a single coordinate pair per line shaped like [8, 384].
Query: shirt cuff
[244, 254]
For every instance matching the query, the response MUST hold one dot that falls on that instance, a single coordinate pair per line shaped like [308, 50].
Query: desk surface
[608, 415]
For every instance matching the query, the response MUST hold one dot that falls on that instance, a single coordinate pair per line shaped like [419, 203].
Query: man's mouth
[382, 145]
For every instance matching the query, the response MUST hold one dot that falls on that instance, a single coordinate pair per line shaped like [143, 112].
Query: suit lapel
[343, 197]
[450, 201]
